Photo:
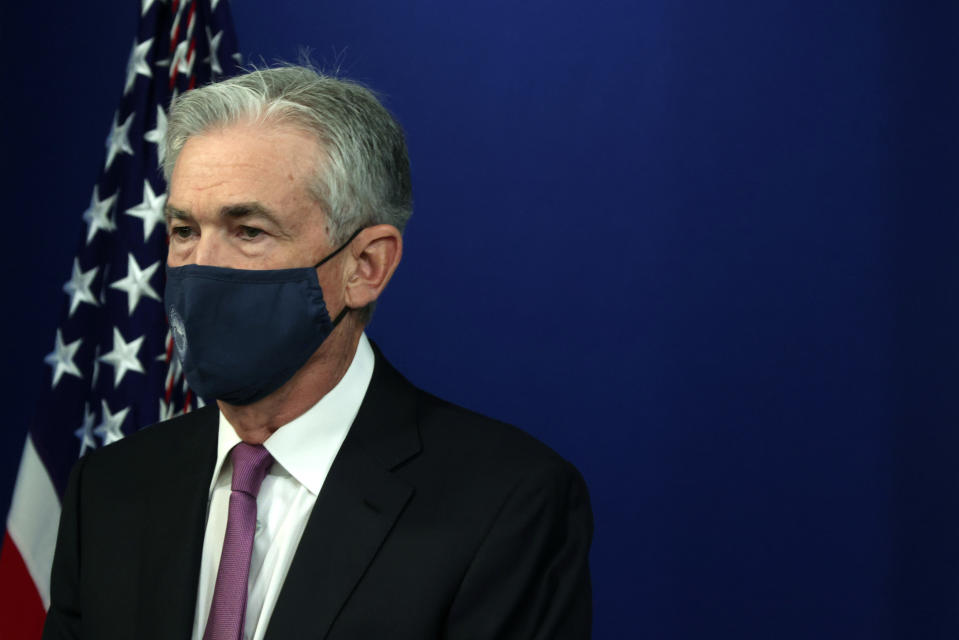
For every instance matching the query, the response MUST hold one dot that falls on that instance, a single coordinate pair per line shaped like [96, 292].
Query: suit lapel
[354, 512]
[174, 527]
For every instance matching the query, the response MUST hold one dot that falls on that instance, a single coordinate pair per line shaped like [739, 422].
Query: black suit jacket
[434, 522]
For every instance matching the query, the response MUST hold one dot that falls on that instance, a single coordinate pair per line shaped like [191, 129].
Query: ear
[376, 253]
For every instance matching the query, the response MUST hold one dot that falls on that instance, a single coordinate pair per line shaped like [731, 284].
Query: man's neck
[256, 422]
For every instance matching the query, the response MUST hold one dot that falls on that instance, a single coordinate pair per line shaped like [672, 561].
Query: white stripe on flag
[34, 519]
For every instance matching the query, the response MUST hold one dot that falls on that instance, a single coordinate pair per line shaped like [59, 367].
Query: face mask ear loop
[342, 314]
[342, 246]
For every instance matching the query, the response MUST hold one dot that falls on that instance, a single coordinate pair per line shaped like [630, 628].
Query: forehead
[269, 164]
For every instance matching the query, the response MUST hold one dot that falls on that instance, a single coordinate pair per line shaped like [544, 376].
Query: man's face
[238, 198]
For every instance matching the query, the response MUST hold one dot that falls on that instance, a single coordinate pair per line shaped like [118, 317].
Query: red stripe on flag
[21, 610]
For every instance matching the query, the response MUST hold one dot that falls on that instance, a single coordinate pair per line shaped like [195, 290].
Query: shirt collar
[306, 446]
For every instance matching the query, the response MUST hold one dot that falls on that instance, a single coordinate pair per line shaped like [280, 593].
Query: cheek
[331, 282]
[177, 253]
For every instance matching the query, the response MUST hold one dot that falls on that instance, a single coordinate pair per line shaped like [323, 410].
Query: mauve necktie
[228, 611]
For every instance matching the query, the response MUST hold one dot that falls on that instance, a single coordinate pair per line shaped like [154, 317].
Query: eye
[181, 232]
[249, 233]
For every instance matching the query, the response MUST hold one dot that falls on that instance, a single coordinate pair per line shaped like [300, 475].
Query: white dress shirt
[303, 451]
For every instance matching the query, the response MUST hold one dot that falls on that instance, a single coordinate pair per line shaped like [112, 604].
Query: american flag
[111, 368]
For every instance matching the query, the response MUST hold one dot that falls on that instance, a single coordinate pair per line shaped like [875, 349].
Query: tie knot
[250, 464]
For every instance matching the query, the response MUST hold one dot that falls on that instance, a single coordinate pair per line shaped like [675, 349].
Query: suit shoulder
[150, 442]
[475, 440]
[451, 431]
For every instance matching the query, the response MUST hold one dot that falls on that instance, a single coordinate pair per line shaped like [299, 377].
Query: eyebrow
[248, 210]
[172, 213]
[240, 211]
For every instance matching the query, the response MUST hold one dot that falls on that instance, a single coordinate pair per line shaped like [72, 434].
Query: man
[322, 495]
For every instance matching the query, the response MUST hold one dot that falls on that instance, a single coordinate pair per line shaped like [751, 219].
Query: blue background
[706, 251]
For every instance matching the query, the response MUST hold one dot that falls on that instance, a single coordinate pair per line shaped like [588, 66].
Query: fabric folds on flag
[112, 368]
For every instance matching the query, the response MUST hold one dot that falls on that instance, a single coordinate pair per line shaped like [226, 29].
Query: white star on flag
[85, 432]
[78, 287]
[150, 211]
[61, 358]
[119, 139]
[145, 6]
[136, 284]
[137, 64]
[183, 59]
[157, 135]
[123, 357]
[214, 61]
[97, 215]
[96, 368]
[110, 427]
[103, 284]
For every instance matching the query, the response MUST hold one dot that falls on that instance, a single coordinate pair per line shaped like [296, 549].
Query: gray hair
[364, 178]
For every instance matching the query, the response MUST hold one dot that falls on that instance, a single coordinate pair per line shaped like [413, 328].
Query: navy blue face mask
[240, 334]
